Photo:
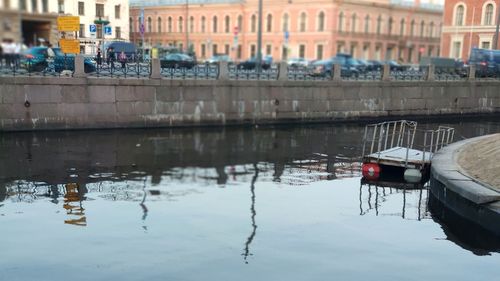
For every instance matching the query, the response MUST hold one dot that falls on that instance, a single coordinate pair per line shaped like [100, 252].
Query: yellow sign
[70, 46]
[68, 23]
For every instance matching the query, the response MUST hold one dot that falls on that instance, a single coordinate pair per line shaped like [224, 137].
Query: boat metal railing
[434, 140]
[386, 135]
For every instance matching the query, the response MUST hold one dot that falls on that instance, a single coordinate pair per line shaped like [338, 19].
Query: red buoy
[370, 171]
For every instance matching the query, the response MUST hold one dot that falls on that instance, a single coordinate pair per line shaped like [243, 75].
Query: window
[240, 23]
[60, 6]
[252, 50]
[456, 49]
[169, 24]
[99, 31]
[34, 5]
[239, 52]
[485, 45]
[253, 23]
[431, 30]
[82, 31]
[81, 8]
[379, 25]
[422, 28]
[6, 4]
[354, 22]
[459, 15]
[412, 28]
[303, 22]
[180, 25]
[118, 32]
[203, 50]
[214, 49]
[269, 50]
[99, 10]
[402, 27]
[203, 24]
[302, 51]
[227, 24]
[158, 22]
[45, 6]
[488, 15]
[181, 46]
[286, 19]
[131, 24]
[341, 22]
[389, 26]
[191, 24]
[321, 21]
[214, 24]
[22, 5]
[367, 24]
[269, 23]
[117, 11]
[150, 25]
[226, 49]
[319, 52]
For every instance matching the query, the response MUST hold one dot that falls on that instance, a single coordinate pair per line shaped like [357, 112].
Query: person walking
[98, 57]
[111, 57]
[123, 59]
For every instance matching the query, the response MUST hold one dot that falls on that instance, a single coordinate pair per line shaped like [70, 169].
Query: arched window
[367, 23]
[131, 24]
[203, 24]
[240, 23]
[379, 24]
[341, 22]
[459, 15]
[159, 25]
[269, 23]
[412, 28]
[389, 26]
[286, 20]
[354, 22]
[227, 24]
[180, 25]
[303, 21]
[402, 27]
[191, 24]
[150, 24]
[431, 29]
[321, 21]
[488, 14]
[253, 23]
[169, 24]
[214, 26]
[422, 28]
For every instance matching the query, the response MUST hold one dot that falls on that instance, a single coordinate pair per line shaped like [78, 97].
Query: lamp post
[259, 40]
[187, 26]
[102, 23]
[495, 38]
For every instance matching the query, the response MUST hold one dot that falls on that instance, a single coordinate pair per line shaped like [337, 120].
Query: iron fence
[238, 73]
[121, 70]
[199, 71]
[61, 66]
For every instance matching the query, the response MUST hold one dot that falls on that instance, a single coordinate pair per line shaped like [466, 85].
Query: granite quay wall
[37, 103]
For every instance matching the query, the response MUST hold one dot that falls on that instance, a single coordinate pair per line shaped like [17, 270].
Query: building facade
[33, 22]
[468, 24]
[383, 29]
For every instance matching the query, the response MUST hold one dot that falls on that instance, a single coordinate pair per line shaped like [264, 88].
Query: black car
[177, 60]
[252, 63]
[375, 65]
[394, 66]
[348, 66]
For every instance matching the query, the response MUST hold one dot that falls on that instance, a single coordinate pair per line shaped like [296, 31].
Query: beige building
[35, 21]
[383, 29]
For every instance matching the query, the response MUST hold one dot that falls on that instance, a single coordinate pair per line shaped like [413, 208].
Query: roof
[152, 3]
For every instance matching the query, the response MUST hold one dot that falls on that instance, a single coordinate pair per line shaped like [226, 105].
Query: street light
[495, 37]
[102, 23]
[259, 39]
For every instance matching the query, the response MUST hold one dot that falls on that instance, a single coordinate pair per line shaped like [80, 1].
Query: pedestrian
[98, 57]
[111, 57]
[123, 59]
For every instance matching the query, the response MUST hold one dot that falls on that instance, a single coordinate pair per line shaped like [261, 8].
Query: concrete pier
[465, 179]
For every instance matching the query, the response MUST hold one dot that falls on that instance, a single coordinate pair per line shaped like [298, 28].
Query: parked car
[376, 65]
[297, 62]
[487, 62]
[37, 59]
[394, 66]
[251, 63]
[177, 60]
[444, 65]
[324, 68]
[218, 58]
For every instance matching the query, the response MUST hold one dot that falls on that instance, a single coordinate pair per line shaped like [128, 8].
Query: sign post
[69, 24]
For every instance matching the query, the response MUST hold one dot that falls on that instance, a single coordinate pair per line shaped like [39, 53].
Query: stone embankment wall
[32, 103]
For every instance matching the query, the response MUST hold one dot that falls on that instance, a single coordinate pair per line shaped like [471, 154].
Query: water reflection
[246, 252]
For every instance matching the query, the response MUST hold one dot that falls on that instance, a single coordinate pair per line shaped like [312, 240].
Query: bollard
[155, 68]
[386, 72]
[337, 72]
[79, 67]
[472, 72]
[430, 72]
[283, 71]
[223, 70]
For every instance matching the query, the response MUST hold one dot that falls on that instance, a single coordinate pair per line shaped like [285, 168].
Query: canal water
[282, 203]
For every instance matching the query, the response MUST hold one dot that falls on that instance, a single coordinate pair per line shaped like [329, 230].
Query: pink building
[383, 29]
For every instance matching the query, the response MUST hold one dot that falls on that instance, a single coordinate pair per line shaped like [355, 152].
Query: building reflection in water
[73, 198]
